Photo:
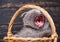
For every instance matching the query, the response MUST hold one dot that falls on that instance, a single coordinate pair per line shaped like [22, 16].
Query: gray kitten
[30, 29]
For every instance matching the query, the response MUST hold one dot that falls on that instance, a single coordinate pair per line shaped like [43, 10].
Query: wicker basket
[52, 38]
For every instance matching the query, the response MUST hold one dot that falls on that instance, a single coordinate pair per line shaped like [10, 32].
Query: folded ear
[23, 14]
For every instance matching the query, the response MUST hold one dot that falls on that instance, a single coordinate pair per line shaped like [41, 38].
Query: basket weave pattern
[11, 40]
[53, 37]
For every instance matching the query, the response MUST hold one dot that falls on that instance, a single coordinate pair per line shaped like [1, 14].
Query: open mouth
[39, 21]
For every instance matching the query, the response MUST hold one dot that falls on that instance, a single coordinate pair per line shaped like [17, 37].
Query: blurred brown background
[9, 7]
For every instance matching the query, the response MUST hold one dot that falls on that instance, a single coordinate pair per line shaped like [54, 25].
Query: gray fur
[36, 32]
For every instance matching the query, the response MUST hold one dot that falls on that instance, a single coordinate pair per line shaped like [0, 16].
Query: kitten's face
[35, 19]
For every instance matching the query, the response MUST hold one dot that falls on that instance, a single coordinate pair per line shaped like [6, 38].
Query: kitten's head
[35, 19]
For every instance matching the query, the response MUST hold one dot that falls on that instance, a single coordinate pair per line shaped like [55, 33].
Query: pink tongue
[39, 21]
[39, 24]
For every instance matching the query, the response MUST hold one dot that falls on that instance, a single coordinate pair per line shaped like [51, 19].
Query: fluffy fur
[30, 29]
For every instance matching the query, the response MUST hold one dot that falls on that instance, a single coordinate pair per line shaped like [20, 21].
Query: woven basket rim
[44, 38]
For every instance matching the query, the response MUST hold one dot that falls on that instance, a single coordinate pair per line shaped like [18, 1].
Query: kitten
[30, 29]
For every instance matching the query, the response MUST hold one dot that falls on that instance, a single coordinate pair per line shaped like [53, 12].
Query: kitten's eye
[39, 21]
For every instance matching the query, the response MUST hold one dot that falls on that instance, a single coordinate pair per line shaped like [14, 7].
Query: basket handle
[45, 13]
